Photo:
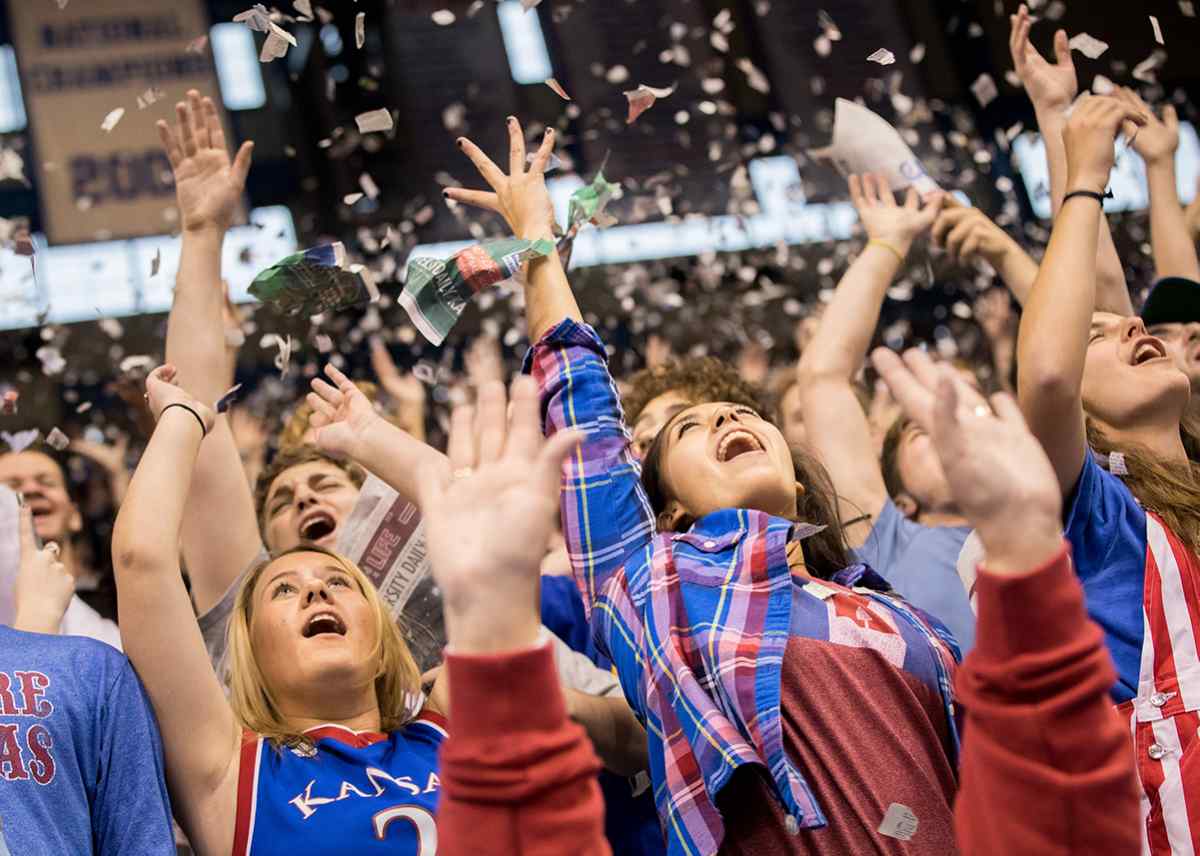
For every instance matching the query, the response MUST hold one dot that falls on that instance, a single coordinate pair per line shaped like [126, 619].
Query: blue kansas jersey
[360, 792]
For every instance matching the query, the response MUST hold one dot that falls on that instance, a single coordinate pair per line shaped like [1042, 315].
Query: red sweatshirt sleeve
[1047, 764]
[518, 777]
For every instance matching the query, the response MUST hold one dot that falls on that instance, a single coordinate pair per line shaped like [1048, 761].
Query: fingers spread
[908, 391]
[542, 158]
[460, 448]
[490, 172]
[525, 420]
[326, 392]
[199, 124]
[170, 143]
[339, 378]
[241, 163]
[187, 134]
[490, 421]
[216, 133]
[516, 147]
[478, 198]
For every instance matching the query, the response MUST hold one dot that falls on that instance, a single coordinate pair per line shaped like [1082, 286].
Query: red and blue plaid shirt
[696, 623]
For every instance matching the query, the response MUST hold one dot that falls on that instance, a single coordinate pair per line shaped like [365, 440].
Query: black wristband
[1090, 194]
[191, 410]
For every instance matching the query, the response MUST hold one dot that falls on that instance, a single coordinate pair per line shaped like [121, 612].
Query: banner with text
[101, 173]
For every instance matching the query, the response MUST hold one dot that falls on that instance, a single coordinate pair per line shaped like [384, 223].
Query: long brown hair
[1172, 491]
[825, 553]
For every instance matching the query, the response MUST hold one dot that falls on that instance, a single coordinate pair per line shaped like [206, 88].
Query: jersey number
[422, 820]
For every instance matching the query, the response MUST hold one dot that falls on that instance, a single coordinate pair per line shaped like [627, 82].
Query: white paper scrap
[1090, 47]
[863, 141]
[111, 120]
[375, 120]
[899, 822]
[1157, 30]
[883, 56]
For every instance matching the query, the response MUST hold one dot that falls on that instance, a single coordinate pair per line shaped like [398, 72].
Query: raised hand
[489, 517]
[1157, 140]
[1049, 85]
[162, 390]
[342, 415]
[405, 387]
[883, 219]
[484, 362]
[44, 586]
[1089, 137]
[208, 186]
[967, 233]
[520, 197]
[1000, 476]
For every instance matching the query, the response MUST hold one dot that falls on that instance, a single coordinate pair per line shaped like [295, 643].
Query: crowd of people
[695, 610]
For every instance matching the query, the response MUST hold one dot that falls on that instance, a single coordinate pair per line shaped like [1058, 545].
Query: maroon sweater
[1047, 764]
[518, 777]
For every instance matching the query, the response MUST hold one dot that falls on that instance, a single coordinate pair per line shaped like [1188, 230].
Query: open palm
[208, 185]
[342, 414]
[1048, 84]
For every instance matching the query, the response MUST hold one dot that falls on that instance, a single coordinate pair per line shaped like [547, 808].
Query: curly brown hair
[700, 379]
[294, 456]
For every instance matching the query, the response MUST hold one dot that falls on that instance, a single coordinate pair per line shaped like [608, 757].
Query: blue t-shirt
[1107, 531]
[921, 564]
[81, 768]
[630, 822]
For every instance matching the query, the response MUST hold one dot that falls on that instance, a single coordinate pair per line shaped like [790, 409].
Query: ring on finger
[463, 472]
[52, 548]
[982, 410]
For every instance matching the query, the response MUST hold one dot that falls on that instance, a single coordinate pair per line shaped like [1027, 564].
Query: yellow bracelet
[881, 243]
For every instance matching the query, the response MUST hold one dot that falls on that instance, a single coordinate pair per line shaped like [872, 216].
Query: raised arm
[1053, 337]
[837, 428]
[514, 769]
[521, 198]
[1040, 725]
[968, 233]
[1052, 88]
[1156, 142]
[159, 633]
[220, 531]
[605, 514]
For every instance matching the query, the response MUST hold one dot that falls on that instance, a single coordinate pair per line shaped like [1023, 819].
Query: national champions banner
[80, 63]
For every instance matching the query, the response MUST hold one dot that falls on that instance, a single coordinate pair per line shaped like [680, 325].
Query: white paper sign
[863, 141]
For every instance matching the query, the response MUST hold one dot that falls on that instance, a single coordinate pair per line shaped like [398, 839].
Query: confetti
[883, 56]
[304, 7]
[436, 291]
[324, 343]
[863, 141]
[150, 96]
[530, 4]
[1157, 30]
[917, 53]
[227, 400]
[8, 402]
[555, 162]
[314, 281]
[1090, 47]
[111, 120]
[375, 120]
[828, 26]
[368, 185]
[84, 408]
[57, 440]
[51, 359]
[899, 822]
[1116, 464]
[643, 98]
[587, 205]
[156, 262]
[755, 79]
[278, 39]
[19, 441]
[984, 89]
[1188, 8]
[444, 17]
[351, 198]
[557, 87]
[1144, 70]
[284, 344]
[197, 44]
[360, 30]
[234, 337]
[12, 166]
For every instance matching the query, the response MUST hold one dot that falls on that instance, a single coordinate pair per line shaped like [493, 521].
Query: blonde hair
[397, 682]
[1172, 491]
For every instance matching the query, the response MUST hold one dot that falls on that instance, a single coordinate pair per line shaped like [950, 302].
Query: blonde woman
[320, 748]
